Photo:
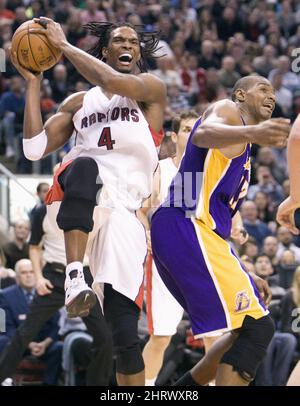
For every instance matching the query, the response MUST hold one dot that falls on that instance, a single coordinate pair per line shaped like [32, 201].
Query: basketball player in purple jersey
[112, 164]
[190, 231]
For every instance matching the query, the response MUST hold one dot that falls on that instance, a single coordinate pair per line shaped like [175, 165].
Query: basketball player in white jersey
[163, 311]
[112, 163]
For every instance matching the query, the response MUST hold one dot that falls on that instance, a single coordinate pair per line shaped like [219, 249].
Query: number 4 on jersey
[105, 139]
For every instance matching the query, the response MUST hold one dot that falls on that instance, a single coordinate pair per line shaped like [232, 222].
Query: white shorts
[163, 311]
[116, 250]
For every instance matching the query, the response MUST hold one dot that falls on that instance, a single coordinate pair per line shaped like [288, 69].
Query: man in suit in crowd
[15, 301]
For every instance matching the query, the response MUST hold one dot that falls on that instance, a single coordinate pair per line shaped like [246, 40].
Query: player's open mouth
[125, 58]
[269, 106]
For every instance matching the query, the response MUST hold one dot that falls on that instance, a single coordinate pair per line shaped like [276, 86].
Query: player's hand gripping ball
[34, 51]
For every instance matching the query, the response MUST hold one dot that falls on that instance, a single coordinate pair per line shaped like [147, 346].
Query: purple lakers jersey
[209, 186]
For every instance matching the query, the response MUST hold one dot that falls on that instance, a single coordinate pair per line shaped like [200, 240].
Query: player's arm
[54, 133]
[39, 139]
[222, 127]
[144, 88]
[59, 127]
[293, 154]
[238, 232]
[154, 200]
[286, 210]
[149, 205]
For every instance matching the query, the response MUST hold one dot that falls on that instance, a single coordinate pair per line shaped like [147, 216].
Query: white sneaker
[7, 382]
[80, 298]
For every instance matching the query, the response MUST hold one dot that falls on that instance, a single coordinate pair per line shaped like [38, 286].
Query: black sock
[186, 380]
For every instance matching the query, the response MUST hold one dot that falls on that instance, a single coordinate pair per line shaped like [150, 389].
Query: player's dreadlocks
[102, 30]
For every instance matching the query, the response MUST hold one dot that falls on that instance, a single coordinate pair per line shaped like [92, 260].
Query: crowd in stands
[205, 46]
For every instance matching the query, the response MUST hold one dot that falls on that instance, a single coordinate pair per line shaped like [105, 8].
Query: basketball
[34, 51]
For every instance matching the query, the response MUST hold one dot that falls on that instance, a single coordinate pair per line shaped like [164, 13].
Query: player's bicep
[59, 129]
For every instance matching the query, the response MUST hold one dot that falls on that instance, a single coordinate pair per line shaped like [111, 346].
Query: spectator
[18, 248]
[229, 23]
[264, 211]
[286, 268]
[255, 227]
[228, 75]
[249, 249]
[194, 80]
[286, 19]
[266, 184]
[285, 238]
[41, 191]
[290, 80]
[165, 71]
[266, 157]
[248, 264]
[62, 11]
[4, 12]
[295, 39]
[92, 13]
[12, 104]
[60, 84]
[270, 248]
[206, 22]
[15, 301]
[266, 62]
[264, 269]
[20, 18]
[177, 100]
[252, 27]
[208, 59]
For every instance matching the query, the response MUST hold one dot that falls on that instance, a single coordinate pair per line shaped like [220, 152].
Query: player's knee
[82, 181]
[159, 343]
[250, 347]
[128, 352]
[81, 186]
[129, 359]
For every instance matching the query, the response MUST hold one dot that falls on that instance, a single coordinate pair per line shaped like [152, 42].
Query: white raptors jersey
[116, 134]
[167, 172]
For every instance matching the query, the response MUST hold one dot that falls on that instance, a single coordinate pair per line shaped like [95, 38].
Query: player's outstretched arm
[293, 154]
[285, 213]
[144, 87]
[222, 127]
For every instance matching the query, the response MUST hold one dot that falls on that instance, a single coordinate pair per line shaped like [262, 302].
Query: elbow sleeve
[35, 147]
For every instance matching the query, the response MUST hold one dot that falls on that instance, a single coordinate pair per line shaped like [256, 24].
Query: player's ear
[174, 137]
[240, 95]
[104, 52]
